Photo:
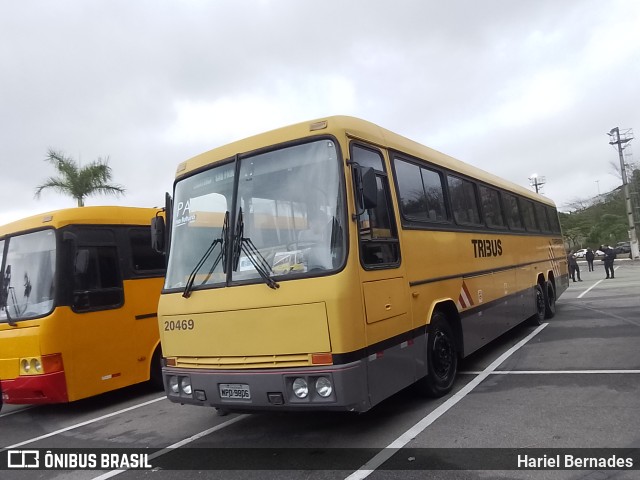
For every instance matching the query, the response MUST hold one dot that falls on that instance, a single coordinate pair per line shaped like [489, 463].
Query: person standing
[573, 266]
[590, 256]
[609, 257]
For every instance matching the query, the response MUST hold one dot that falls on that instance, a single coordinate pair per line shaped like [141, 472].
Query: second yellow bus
[78, 304]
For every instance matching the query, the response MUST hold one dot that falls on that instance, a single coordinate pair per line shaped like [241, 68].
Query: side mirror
[366, 188]
[158, 232]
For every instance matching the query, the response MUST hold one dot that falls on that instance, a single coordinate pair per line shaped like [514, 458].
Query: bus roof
[354, 128]
[113, 215]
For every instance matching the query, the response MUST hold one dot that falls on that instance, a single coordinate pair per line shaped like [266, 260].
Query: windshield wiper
[221, 257]
[244, 244]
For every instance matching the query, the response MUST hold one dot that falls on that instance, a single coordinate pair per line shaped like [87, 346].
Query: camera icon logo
[23, 459]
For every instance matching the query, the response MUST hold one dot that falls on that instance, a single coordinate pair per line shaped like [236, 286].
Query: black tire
[538, 317]
[549, 300]
[155, 370]
[442, 358]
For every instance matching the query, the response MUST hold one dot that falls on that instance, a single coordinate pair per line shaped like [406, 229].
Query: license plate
[234, 391]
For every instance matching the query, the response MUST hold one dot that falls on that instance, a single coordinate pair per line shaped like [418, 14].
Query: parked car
[623, 247]
[583, 251]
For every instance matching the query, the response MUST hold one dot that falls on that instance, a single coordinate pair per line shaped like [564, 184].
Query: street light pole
[536, 182]
[616, 140]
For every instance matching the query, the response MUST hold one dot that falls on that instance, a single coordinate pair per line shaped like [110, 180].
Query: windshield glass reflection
[28, 285]
[291, 222]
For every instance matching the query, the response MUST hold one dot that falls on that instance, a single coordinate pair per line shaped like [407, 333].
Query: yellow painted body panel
[385, 299]
[295, 318]
[16, 344]
[82, 216]
[227, 332]
[112, 349]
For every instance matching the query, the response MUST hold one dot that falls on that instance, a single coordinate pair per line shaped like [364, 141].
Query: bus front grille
[258, 361]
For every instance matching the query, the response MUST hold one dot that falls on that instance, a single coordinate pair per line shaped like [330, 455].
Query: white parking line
[82, 424]
[556, 372]
[179, 444]
[590, 288]
[385, 454]
[594, 285]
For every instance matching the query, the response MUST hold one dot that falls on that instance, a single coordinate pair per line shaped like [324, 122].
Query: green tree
[78, 181]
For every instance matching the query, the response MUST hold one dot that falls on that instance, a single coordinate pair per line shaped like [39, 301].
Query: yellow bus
[328, 265]
[78, 296]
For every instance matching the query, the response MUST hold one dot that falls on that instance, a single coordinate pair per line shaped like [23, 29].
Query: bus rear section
[79, 304]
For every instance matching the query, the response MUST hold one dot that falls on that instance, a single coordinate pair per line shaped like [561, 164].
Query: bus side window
[97, 279]
[463, 201]
[379, 245]
[529, 216]
[513, 212]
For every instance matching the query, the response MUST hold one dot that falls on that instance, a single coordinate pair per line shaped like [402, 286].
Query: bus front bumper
[271, 389]
[35, 389]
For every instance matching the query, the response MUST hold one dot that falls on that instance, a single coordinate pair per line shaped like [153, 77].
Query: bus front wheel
[155, 369]
[541, 306]
[549, 300]
[442, 358]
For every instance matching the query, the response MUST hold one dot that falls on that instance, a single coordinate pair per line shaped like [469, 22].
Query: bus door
[385, 291]
[99, 325]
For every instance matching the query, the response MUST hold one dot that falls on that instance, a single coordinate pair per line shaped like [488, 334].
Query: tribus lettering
[487, 248]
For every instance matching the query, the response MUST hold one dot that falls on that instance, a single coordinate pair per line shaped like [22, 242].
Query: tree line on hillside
[602, 219]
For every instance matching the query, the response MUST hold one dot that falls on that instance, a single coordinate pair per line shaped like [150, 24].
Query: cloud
[512, 88]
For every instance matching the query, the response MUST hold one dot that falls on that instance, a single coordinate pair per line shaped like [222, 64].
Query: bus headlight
[185, 385]
[324, 387]
[300, 388]
[25, 365]
[35, 365]
[174, 387]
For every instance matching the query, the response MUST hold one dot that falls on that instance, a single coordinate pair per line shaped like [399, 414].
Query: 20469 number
[171, 325]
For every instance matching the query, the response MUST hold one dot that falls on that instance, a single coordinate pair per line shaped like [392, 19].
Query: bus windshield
[28, 273]
[288, 218]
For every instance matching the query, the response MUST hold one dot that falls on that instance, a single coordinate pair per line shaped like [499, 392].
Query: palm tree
[79, 182]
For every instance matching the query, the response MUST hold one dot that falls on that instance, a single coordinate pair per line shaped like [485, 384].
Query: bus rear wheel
[442, 358]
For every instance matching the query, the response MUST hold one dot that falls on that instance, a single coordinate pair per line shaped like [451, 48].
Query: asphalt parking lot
[573, 383]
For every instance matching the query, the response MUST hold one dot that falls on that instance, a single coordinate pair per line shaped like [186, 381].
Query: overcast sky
[513, 87]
